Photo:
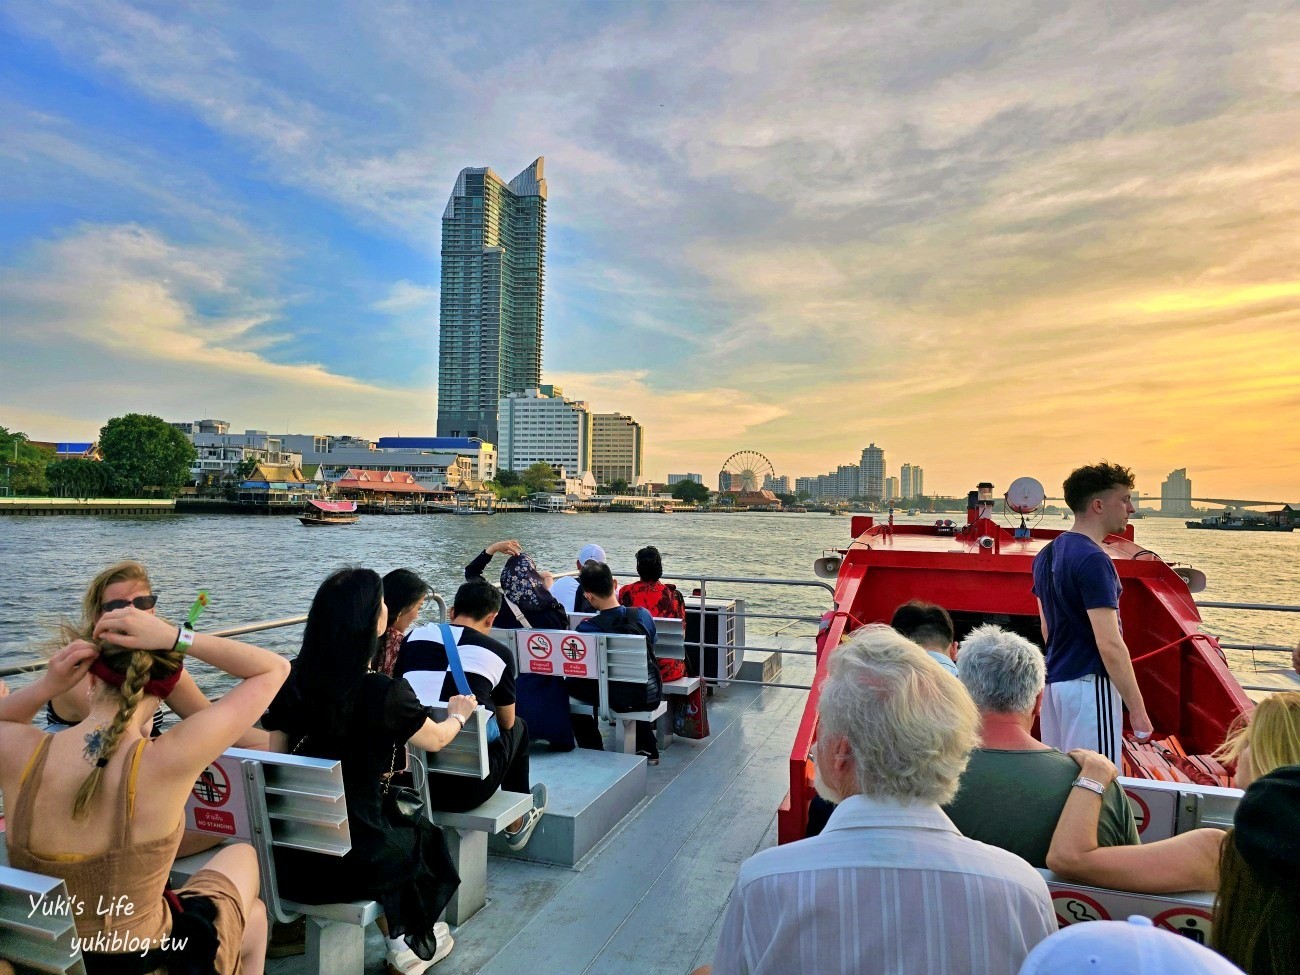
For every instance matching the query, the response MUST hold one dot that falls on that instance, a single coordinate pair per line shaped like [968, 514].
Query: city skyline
[1002, 240]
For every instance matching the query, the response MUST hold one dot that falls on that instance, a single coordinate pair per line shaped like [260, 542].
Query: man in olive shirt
[1014, 788]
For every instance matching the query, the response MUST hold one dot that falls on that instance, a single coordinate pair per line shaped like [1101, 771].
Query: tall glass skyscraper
[490, 319]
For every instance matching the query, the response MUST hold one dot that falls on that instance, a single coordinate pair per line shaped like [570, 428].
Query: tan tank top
[102, 886]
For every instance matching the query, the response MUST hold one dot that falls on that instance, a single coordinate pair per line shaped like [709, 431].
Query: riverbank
[91, 506]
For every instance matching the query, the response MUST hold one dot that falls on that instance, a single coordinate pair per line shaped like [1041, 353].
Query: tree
[23, 464]
[146, 454]
[79, 478]
[244, 469]
[538, 479]
[691, 492]
[507, 479]
[618, 486]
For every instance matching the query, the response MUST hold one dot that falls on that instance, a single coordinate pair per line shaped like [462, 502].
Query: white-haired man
[566, 590]
[1012, 792]
[890, 885]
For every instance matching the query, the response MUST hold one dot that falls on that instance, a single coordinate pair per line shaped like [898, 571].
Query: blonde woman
[1188, 861]
[101, 804]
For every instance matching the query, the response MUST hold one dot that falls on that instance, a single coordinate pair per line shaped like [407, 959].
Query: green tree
[691, 492]
[79, 478]
[539, 478]
[618, 486]
[146, 454]
[244, 470]
[23, 464]
[507, 479]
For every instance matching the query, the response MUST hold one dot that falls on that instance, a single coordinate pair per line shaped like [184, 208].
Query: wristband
[184, 639]
[1092, 785]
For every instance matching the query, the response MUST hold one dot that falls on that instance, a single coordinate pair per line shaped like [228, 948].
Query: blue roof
[73, 448]
[429, 443]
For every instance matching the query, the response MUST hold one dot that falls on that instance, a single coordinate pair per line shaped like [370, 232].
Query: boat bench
[36, 939]
[603, 657]
[670, 644]
[1164, 809]
[273, 800]
[1189, 914]
[467, 832]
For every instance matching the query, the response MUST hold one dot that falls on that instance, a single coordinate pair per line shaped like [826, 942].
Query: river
[267, 567]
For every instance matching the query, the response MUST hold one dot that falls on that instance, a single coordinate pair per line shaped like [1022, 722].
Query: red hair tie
[160, 688]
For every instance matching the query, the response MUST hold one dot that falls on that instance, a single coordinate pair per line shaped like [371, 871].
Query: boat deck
[649, 898]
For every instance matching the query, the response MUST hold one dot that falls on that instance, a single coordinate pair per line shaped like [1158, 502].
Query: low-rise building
[678, 478]
[220, 455]
[483, 455]
[277, 484]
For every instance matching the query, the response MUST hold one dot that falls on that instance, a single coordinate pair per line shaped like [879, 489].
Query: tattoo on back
[94, 745]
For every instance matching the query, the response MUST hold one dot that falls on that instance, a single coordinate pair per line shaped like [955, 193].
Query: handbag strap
[453, 659]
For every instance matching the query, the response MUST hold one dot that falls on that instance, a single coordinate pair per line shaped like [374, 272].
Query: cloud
[114, 318]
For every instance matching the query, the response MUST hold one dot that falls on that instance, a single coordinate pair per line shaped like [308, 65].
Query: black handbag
[403, 804]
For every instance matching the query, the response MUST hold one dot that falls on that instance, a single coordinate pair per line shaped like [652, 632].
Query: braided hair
[139, 667]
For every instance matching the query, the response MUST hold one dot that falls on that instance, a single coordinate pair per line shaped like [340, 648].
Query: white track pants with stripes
[1084, 713]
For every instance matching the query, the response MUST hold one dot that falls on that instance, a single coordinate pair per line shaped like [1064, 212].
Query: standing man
[1089, 671]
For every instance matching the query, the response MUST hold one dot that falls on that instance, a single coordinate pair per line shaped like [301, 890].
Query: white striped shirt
[886, 888]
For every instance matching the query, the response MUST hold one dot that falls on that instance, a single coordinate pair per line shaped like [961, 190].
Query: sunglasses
[140, 602]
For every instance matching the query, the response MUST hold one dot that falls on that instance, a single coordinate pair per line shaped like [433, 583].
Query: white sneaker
[407, 962]
[518, 840]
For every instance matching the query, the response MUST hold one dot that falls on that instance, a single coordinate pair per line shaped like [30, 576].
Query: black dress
[405, 868]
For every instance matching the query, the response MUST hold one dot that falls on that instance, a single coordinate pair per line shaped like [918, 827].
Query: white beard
[824, 790]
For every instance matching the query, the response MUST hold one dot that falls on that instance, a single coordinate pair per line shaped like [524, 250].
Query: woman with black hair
[336, 705]
[660, 599]
[404, 595]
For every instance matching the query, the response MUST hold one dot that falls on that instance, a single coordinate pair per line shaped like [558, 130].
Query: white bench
[467, 833]
[1163, 809]
[1189, 914]
[37, 940]
[603, 657]
[274, 800]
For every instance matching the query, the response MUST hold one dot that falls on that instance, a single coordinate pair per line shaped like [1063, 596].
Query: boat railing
[229, 631]
[1253, 648]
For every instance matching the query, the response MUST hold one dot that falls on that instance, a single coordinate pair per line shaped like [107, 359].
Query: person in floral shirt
[661, 600]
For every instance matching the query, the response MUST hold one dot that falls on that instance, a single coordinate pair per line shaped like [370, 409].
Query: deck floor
[650, 898]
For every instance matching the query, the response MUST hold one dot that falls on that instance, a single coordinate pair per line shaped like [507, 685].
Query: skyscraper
[1176, 493]
[490, 318]
[873, 471]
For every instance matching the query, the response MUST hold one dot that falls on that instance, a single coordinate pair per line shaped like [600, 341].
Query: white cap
[591, 553]
[1132, 947]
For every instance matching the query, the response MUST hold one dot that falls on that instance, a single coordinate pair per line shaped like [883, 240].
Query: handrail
[1263, 607]
[229, 631]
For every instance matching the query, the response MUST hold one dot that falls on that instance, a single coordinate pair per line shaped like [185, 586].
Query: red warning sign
[539, 646]
[214, 821]
[573, 647]
[213, 786]
[1190, 922]
[1141, 811]
[1073, 907]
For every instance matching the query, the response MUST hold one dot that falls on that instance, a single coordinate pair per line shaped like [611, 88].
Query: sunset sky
[1005, 239]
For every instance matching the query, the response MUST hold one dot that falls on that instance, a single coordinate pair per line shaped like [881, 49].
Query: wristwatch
[1092, 785]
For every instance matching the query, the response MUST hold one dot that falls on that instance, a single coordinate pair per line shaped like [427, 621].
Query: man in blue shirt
[1089, 671]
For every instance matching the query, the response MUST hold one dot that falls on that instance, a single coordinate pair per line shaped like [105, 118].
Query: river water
[259, 568]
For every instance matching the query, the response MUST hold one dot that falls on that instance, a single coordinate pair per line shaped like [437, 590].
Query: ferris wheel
[748, 469]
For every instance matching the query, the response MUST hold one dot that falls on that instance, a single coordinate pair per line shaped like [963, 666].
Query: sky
[994, 239]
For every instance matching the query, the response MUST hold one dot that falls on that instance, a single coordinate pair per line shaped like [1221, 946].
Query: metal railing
[1253, 647]
[230, 631]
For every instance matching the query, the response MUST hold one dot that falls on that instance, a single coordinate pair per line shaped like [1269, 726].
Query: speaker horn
[1194, 578]
[827, 567]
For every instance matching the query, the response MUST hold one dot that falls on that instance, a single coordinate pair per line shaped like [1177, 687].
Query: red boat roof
[340, 506]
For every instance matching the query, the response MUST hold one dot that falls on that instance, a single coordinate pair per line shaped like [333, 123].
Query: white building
[891, 489]
[777, 485]
[219, 455]
[552, 429]
[678, 478]
[617, 442]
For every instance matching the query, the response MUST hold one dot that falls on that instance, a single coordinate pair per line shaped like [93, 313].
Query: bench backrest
[1164, 809]
[36, 923]
[670, 635]
[466, 754]
[273, 800]
[1189, 914]
[604, 657]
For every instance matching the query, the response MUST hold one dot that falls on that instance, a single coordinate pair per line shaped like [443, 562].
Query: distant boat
[466, 510]
[912, 511]
[1229, 523]
[330, 513]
